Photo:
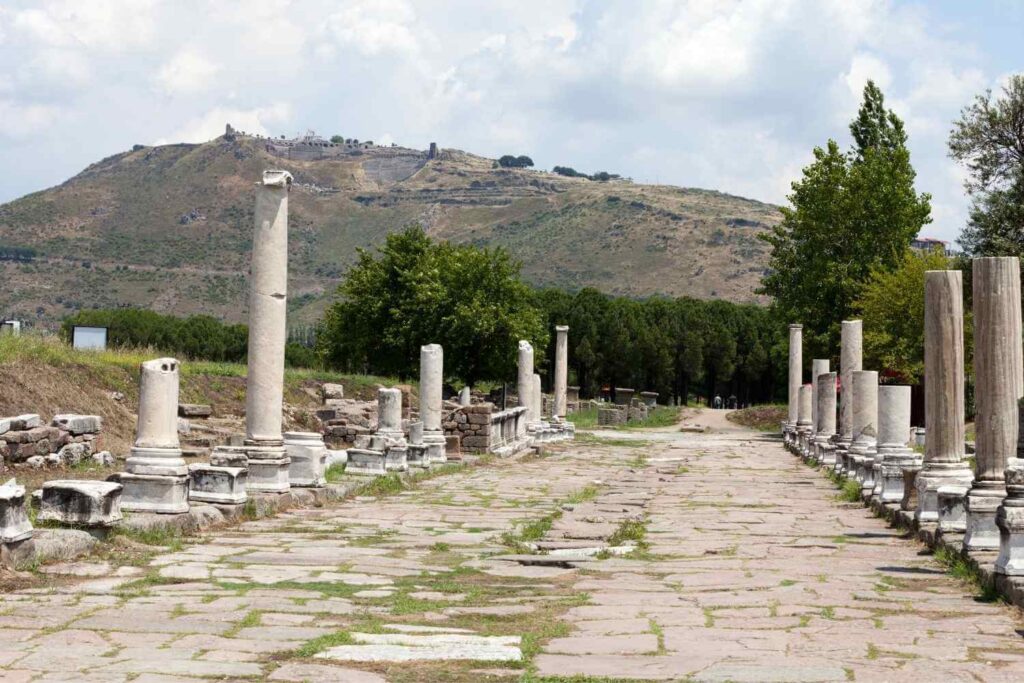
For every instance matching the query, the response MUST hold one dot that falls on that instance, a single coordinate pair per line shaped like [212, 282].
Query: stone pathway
[749, 571]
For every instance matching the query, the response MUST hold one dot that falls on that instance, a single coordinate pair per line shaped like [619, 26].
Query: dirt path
[749, 571]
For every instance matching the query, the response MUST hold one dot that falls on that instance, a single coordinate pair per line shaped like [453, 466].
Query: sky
[731, 95]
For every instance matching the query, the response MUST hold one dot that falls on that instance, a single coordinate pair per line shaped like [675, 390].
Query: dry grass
[766, 418]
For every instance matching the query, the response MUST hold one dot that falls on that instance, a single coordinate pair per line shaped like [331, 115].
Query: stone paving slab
[752, 571]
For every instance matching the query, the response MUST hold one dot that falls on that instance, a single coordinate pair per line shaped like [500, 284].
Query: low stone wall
[508, 431]
[472, 424]
[25, 441]
[612, 416]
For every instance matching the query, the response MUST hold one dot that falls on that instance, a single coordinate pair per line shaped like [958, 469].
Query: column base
[891, 474]
[982, 505]
[268, 467]
[307, 456]
[952, 509]
[436, 452]
[154, 493]
[222, 485]
[365, 461]
[396, 460]
[1010, 520]
[928, 481]
[14, 522]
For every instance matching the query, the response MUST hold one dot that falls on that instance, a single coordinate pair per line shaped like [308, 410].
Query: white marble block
[14, 523]
[212, 484]
[81, 502]
[307, 454]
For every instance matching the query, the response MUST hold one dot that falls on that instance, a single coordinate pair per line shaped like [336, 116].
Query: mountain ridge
[169, 227]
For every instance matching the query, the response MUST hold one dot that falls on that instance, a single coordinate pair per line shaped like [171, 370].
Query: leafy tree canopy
[415, 292]
[849, 215]
[988, 140]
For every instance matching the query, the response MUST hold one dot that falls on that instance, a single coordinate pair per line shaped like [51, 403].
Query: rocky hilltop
[169, 227]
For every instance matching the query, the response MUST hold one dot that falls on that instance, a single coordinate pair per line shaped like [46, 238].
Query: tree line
[197, 337]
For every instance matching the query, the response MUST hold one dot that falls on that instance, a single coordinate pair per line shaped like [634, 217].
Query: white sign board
[89, 337]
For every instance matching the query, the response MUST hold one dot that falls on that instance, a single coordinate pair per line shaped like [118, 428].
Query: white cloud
[187, 72]
[375, 26]
[21, 121]
[727, 94]
[260, 121]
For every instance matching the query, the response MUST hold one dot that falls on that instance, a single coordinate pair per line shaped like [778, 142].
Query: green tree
[850, 214]
[415, 292]
[891, 305]
[988, 140]
[338, 139]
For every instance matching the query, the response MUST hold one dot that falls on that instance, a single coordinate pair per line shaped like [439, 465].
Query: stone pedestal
[431, 384]
[944, 391]
[561, 369]
[819, 366]
[307, 459]
[220, 485]
[909, 501]
[81, 503]
[387, 449]
[465, 397]
[850, 361]
[15, 526]
[865, 427]
[416, 451]
[156, 476]
[524, 380]
[1010, 521]
[796, 374]
[826, 391]
[893, 455]
[952, 510]
[999, 377]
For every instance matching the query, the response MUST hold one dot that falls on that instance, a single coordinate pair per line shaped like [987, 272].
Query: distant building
[930, 243]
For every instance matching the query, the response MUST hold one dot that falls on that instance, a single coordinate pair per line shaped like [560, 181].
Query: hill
[169, 227]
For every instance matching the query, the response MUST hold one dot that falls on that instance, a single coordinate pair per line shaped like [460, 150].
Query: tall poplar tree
[850, 213]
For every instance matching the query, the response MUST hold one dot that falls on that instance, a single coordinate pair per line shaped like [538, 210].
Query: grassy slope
[124, 216]
[42, 375]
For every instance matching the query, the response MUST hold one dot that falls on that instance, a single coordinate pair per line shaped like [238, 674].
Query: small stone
[103, 458]
[36, 462]
[194, 410]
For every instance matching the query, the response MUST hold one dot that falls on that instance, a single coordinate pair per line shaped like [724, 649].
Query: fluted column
[826, 390]
[865, 425]
[850, 361]
[943, 391]
[893, 433]
[819, 366]
[796, 372]
[524, 380]
[561, 369]
[999, 381]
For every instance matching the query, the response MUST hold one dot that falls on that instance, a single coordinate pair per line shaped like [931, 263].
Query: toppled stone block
[212, 484]
[81, 502]
[26, 421]
[229, 456]
[336, 457]
[332, 391]
[73, 453]
[78, 424]
[103, 458]
[32, 435]
[365, 461]
[14, 523]
[194, 410]
[36, 462]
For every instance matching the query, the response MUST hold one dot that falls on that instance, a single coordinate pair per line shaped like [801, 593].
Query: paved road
[751, 572]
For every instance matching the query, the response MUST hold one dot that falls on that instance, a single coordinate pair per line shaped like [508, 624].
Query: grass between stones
[959, 567]
[590, 438]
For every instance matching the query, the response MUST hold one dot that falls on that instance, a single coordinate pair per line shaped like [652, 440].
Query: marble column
[865, 426]
[431, 383]
[999, 378]
[825, 384]
[819, 366]
[803, 418]
[850, 361]
[538, 398]
[389, 413]
[893, 454]
[156, 476]
[524, 380]
[268, 308]
[796, 374]
[943, 391]
[561, 369]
